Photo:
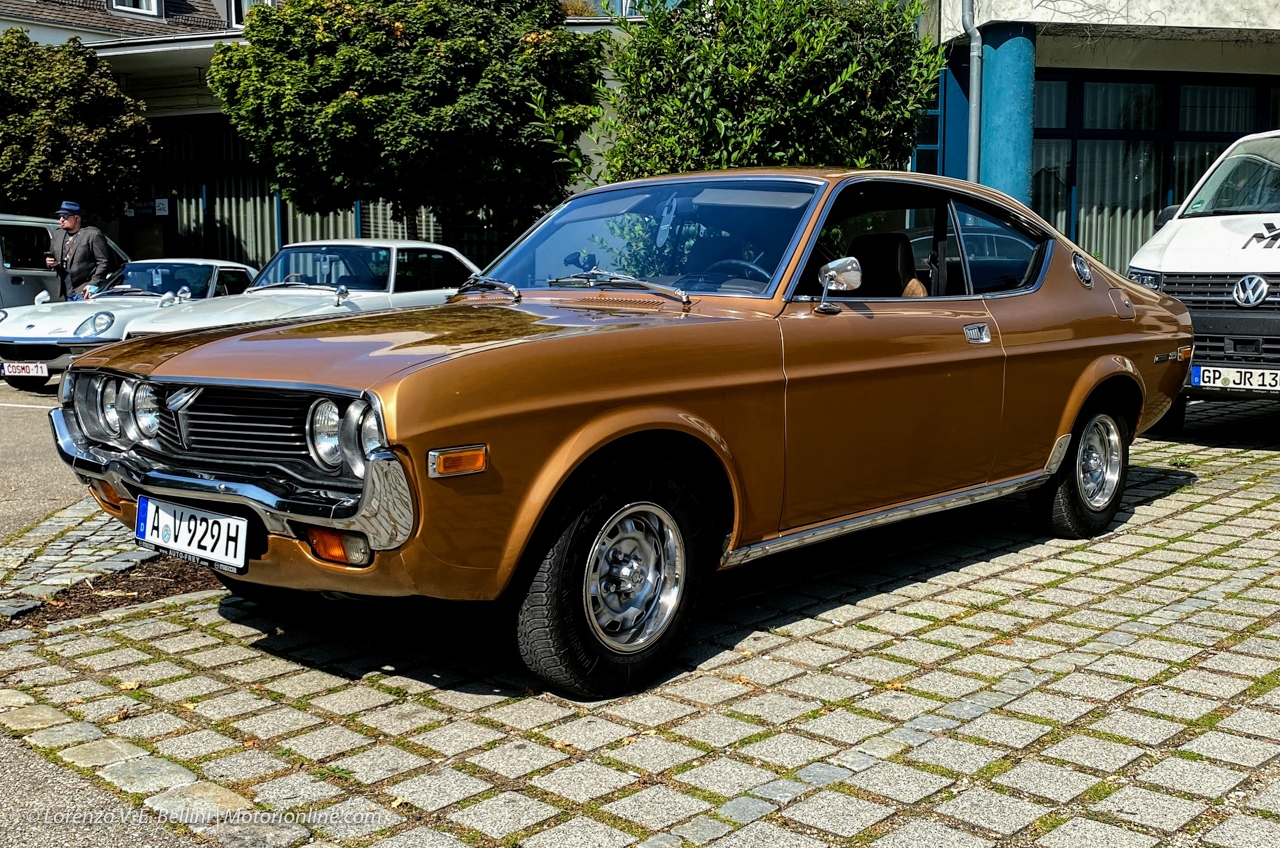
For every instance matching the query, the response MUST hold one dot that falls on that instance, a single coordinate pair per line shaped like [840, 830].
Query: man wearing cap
[80, 254]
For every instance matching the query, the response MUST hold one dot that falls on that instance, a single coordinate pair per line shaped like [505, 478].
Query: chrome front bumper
[383, 512]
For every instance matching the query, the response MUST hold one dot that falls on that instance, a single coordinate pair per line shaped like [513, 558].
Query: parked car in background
[1219, 253]
[326, 279]
[24, 241]
[39, 341]
[661, 378]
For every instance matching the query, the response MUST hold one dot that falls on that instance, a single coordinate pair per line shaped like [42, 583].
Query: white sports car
[323, 279]
[39, 341]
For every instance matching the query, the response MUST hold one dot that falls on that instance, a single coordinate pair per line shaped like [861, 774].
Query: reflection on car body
[561, 434]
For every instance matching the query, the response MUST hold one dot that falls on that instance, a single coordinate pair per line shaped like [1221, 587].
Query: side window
[231, 281]
[425, 270]
[22, 247]
[900, 234]
[1001, 256]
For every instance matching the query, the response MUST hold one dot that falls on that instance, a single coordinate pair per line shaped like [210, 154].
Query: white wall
[1158, 55]
[51, 34]
[1103, 14]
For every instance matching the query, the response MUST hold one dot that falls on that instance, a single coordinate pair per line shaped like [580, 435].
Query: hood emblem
[1251, 291]
[1268, 237]
[183, 398]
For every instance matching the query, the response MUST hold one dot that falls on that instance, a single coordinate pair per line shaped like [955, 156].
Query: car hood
[267, 305]
[359, 351]
[1228, 244]
[59, 320]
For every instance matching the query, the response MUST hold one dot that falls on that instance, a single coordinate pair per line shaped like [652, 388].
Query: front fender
[1095, 374]
[584, 443]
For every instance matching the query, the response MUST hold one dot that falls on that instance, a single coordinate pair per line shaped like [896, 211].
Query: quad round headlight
[146, 410]
[108, 394]
[323, 433]
[99, 322]
[370, 433]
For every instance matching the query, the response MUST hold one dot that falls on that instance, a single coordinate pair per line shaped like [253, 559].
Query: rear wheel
[614, 585]
[1082, 498]
[27, 384]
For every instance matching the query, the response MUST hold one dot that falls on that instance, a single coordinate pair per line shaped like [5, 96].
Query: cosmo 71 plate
[193, 534]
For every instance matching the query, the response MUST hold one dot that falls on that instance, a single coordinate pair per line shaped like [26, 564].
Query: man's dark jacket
[89, 261]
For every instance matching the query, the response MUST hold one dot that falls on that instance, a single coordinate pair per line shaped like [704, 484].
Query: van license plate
[1247, 379]
[193, 534]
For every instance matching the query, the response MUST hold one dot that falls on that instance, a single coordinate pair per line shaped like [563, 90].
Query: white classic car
[323, 279]
[39, 341]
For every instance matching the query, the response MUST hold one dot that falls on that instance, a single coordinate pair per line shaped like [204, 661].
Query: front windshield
[718, 236]
[1245, 183]
[356, 267]
[158, 279]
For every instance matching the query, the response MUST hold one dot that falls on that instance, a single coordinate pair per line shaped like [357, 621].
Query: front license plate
[26, 369]
[193, 534]
[1250, 379]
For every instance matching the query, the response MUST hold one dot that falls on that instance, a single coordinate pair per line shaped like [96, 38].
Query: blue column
[1008, 101]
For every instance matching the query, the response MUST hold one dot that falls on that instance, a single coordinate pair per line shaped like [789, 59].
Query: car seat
[888, 266]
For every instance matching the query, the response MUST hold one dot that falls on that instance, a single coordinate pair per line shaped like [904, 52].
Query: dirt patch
[151, 581]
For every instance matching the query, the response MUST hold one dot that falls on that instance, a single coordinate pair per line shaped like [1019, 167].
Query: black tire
[27, 384]
[557, 637]
[1061, 503]
[1172, 422]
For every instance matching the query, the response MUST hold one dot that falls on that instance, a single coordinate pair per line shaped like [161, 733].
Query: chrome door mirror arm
[841, 275]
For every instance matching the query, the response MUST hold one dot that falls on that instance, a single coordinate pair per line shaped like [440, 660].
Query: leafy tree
[67, 131]
[418, 102]
[734, 83]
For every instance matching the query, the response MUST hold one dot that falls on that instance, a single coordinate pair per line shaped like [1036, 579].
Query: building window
[146, 7]
[240, 10]
[925, 160]
[1113, 148]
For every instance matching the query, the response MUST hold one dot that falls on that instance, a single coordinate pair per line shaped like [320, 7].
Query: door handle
[977, 333]
[17, 281]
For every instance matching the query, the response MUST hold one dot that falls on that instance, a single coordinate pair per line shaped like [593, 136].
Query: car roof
[27, 219]
[221, 263]
[371, 243]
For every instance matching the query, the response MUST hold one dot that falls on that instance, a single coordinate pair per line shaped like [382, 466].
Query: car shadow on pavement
[470, 645]
[1233, 425]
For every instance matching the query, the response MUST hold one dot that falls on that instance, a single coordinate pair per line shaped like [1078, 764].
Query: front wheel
[1082, 498]
[27, 384]
[614, 586]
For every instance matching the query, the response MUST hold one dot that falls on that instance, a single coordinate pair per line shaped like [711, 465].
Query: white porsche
[37, 342]
[327, 279]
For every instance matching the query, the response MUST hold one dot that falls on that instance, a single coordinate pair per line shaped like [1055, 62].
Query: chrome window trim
[1050, 238]
[774, 282]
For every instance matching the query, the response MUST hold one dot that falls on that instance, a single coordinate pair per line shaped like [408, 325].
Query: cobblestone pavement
[951, 682]
[70, 546]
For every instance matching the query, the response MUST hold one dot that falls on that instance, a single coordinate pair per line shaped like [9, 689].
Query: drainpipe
[975, 88]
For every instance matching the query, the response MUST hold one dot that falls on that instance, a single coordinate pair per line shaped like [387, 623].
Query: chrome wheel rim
[1098, 461]
[634, 577]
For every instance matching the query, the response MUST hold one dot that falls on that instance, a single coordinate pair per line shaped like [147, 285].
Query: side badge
[1082, 270]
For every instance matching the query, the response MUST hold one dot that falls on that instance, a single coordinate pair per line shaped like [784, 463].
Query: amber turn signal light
[450, 462]
[1184, 353]
[339, 547]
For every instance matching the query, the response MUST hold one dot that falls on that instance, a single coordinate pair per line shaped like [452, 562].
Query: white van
[1219, 253]
[24, 241]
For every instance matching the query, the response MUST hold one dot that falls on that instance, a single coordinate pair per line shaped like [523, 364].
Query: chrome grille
[1213, 350]
[236, 423]
[1207, 292]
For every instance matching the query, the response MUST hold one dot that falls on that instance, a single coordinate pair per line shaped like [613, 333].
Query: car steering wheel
[762, 275]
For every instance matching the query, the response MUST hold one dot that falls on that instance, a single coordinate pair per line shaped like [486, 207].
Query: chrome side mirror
[42, 298]
[843, 274]
[340, 294]
[184, 293]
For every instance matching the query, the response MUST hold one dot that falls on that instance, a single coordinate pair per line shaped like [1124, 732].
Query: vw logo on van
[1251, 291]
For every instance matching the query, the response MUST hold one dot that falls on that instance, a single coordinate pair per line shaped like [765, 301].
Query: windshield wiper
[291, 284]
[596, 277]
[479, 282]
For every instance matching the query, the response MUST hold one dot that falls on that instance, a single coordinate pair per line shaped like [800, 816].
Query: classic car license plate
[26, 369]
[193, 534]
[1255, 379]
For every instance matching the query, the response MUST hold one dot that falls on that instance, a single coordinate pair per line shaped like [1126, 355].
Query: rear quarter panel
[543, 406]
